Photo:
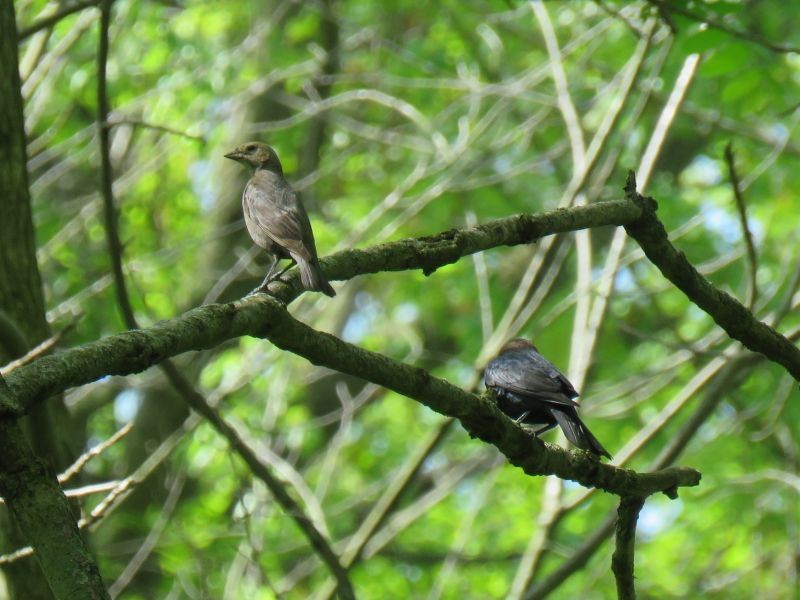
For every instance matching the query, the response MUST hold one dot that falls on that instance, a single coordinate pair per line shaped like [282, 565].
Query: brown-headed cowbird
[275, 217]
[532, 391]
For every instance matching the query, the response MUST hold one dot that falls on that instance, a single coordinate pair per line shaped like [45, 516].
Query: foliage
[425, 119]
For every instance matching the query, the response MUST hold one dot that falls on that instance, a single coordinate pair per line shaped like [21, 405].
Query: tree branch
[752, 262]
[622, 559]
[266, 317]
[207, 326]
[479, 415]
[664, 8]
[726, 311]
[51, 20]
[106, 173]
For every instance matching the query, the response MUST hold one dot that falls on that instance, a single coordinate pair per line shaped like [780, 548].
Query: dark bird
[275, 217]
[532, 391]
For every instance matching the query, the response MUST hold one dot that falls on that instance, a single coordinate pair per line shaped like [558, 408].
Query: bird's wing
[517, 372]
[553, 373]
[275, 209]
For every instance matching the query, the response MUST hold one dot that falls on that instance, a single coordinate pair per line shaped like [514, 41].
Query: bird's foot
[521, 418]
[264, 287]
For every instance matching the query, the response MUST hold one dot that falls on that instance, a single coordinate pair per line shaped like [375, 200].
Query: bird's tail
[312, 277]
[578, 433]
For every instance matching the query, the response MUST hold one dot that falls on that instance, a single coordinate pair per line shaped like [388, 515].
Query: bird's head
[257, 156]
[517, 344]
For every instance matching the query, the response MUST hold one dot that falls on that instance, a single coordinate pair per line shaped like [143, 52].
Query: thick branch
[622, 559]
[43, 513]
[726, 311]
[264, 316]
[208, 326]
[479, 415]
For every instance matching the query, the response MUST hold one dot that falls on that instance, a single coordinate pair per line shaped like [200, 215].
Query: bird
[532, 391]
[276, 219]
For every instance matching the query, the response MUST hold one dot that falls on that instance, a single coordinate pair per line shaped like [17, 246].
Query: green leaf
[741, 86]
[730, 58]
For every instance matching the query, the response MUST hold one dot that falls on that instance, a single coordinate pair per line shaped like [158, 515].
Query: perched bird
[275, 217]
[532, 391]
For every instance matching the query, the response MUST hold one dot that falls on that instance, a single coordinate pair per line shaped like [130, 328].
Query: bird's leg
[543, 429]
[286, 268]
[275, 260]
[521, 418]
[268, 278]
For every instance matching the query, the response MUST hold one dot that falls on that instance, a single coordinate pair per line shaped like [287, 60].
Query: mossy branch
[623, 558]
[264, 316]
[727, 312]
[479, 415]
[207, 326]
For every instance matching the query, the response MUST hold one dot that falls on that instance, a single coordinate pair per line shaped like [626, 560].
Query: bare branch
[387, 502]
[116, 121]
[664, 8]
[752, 263]
[135, 564]
[278, 490]
[51, 20]
[106, 174]
[41, 349]
[726, 311]
[84, 458]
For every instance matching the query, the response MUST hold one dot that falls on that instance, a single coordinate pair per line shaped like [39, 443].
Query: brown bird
[532, 391]
[276, 219]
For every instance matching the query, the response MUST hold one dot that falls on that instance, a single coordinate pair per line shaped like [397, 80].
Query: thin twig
[41, 349]
[673, 104]
[565, 104]
[149, 543]
[86, 490]
[78, 465]
[108, 502]
[51, 20]
[110, 214]
[278, 490]
[752, 264]
[387, 502]
[547, 517]
[114, 122]
[749, 36]
[482, 282]
[11, 557]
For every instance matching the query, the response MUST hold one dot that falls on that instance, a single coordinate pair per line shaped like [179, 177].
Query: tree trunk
[31, 449]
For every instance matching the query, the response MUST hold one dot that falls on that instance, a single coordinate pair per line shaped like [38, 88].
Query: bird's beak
[235, 155]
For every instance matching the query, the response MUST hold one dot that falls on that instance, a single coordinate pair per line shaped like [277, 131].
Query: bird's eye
[250, 149]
